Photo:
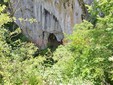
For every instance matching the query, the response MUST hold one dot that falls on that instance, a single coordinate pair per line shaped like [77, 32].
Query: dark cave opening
[52, 41]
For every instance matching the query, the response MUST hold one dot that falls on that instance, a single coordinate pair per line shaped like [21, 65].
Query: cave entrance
[52, 41]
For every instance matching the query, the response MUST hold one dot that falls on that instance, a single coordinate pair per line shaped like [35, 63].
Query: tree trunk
[49, 16]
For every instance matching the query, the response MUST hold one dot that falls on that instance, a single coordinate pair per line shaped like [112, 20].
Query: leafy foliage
[92, 45]
[86, 60]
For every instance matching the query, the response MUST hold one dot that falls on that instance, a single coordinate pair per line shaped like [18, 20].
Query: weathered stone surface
[52, 16]
[89, 2]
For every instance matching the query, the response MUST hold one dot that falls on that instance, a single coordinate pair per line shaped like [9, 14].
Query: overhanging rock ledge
[52, 16]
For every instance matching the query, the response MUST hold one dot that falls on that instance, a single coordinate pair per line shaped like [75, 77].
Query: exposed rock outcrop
[52, 16]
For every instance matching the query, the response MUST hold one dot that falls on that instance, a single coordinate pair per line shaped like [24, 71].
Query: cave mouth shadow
[53, 43]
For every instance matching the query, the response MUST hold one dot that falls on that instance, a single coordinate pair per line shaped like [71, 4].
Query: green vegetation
[86, 60]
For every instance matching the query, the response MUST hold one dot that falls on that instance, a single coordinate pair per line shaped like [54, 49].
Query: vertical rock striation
[52, 16]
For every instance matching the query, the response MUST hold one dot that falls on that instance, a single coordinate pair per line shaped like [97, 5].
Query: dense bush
[92, 45]
[91, 52]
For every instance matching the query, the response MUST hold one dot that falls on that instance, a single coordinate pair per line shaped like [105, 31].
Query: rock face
[51, 17]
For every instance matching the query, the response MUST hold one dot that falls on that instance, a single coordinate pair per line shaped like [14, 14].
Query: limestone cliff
[51, 16]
